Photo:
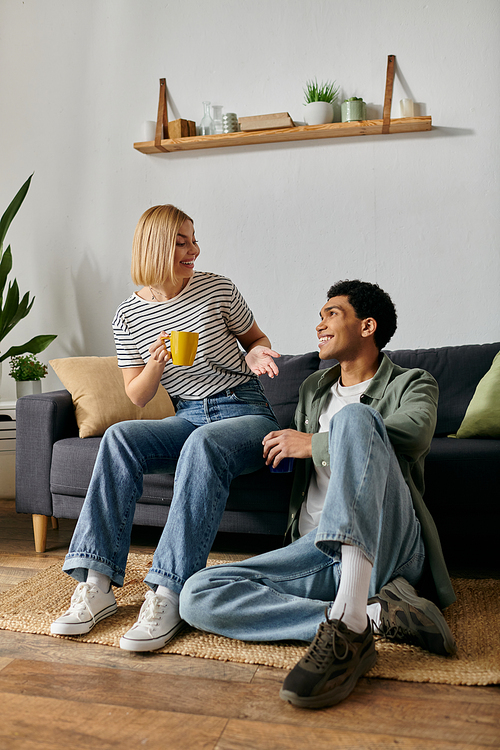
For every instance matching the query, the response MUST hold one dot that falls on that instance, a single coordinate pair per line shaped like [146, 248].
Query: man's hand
[286, 444]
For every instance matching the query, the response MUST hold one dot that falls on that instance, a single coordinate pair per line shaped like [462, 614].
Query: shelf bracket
[389, 83]
[162, 118]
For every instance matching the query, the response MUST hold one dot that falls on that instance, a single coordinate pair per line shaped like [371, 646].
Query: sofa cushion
[99, 397]
[482, 418]
[283, 391]
[457, 369]
[461, 492]
[72, 465]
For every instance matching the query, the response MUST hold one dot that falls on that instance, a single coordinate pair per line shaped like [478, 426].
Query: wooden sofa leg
[40, 531]
[55, 523]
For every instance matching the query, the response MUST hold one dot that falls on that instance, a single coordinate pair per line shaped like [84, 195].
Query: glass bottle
[217, 115]
[207, 124]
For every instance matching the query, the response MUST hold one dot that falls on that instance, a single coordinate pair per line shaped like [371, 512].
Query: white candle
[148, 130]
[406, 107]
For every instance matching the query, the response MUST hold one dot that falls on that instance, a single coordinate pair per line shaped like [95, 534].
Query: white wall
[417, 213]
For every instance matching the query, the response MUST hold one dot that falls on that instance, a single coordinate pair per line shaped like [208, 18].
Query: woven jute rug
[474, 619]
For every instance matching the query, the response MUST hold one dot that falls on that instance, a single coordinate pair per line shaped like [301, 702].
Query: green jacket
[407, 401]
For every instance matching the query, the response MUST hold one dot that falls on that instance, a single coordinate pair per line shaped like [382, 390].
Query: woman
[221, 418]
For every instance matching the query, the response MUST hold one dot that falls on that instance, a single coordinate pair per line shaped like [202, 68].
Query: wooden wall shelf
[299, 133]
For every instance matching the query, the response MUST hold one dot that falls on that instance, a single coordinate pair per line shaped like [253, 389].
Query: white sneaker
[158, 622]
[89, 605]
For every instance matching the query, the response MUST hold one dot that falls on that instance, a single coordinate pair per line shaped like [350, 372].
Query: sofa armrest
[41, 420]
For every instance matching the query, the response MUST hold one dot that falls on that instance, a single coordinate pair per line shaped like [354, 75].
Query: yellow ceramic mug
[183, 346]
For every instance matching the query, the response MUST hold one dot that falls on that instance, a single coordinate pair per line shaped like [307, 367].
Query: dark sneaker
[408, 618]
[331, 667]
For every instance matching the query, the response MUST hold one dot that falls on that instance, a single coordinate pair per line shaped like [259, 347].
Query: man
[359, 526]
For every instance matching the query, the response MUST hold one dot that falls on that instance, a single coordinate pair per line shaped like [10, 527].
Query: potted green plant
[319, 99]
[12, 308]
[27, 371]
[353, 109]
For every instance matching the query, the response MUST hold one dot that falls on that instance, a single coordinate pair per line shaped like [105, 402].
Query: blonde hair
[153, 247]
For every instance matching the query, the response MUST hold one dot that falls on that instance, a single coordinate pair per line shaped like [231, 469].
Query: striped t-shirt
[210, 305]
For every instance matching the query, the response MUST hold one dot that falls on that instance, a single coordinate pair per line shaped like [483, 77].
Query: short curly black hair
[369, 301]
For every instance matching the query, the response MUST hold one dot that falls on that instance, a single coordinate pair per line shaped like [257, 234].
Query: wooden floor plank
[30, 723]
[247, 735]
[412, 690]
[363, 712]
[26, 561]
[43, 648]
[4, 660]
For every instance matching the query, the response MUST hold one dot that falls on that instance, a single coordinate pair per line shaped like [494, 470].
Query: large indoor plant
[319, 99]
[12, 308]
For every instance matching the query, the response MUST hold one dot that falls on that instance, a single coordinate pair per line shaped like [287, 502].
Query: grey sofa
[54, 465]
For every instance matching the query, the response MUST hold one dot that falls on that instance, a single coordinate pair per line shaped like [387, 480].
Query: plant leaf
[12, 209]
[14, 311]
[34, 346]
[9, 309]
[5, 268]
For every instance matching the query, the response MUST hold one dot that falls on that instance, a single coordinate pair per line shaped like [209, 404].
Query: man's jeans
[282, 594]
[207, 444]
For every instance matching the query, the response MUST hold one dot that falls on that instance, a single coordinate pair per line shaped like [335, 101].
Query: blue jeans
[282, 594]
[207, 443]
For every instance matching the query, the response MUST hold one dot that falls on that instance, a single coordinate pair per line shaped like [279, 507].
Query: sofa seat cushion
[73, 461]
[260, 491]
[461, 491]
[454, 469]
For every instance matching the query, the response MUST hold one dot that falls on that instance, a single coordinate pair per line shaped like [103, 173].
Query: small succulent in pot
[353, 109]
[27, 367]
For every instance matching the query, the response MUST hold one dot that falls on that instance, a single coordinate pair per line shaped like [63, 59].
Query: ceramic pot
[352, 111]
[318, 113]
[28, 387]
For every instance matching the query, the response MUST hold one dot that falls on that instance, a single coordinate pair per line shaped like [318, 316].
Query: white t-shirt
[312, 506]
[210, 305]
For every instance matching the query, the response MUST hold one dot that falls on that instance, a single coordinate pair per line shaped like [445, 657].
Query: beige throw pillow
[98, 393]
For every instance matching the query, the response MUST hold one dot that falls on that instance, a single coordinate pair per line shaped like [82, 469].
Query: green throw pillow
[482, 418]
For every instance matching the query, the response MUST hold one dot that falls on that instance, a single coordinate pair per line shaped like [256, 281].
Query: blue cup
[285, 466]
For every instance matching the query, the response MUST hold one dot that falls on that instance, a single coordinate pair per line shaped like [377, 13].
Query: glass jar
[217, 116]
[207, 123]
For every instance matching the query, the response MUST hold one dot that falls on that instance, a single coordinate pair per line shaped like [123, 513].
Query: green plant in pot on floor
[319, 100]
[13, 308]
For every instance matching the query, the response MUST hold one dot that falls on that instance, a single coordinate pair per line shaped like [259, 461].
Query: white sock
[373, 612]
[100, 580]
[352, 596]
[172, 596]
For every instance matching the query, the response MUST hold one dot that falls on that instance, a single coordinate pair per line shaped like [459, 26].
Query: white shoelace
[80, 600]
[151, 612]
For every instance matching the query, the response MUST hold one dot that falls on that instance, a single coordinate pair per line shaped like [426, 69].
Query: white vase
[318, 113]
[28, 387]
